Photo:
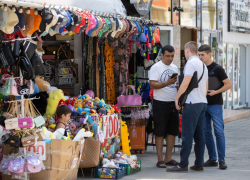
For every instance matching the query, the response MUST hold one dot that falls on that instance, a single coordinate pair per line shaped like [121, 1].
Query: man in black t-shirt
[218, 83]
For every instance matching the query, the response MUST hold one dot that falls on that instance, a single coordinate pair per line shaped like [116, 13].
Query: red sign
[111, 126]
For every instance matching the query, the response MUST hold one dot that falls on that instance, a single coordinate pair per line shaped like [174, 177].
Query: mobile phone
[174, 75]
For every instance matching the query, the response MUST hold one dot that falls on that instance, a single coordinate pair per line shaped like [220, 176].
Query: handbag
[11, 124]
[29, 48]
[14, 140]
[16, 50]
[90, 153]
[7, 87]
[6, 56]
[192, 85]
[25, 122]
[16, 166]
[38, 65]
[14, 91]
[129, 100]
[39, 121]
[64, 51]
[33, 164]
[24, 89]
[28, 139]
[26, 67]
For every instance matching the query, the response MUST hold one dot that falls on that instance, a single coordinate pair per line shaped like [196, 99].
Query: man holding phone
[163, 77]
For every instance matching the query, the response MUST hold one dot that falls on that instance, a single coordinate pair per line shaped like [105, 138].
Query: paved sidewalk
[237, 159]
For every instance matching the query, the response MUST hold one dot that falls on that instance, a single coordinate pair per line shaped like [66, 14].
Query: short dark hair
[205, 48]
[62, 109]
[192, 46]
[167, 48]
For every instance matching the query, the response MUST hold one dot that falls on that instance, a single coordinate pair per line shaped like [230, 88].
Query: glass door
[236, 71]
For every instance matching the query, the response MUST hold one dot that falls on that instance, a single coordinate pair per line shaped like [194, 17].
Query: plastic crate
[117, 174]
[131, 170]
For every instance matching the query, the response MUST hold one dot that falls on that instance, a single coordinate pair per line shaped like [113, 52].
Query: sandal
[160, 163]
[172, 163]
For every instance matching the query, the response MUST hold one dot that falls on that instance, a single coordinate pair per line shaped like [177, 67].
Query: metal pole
[201, 41]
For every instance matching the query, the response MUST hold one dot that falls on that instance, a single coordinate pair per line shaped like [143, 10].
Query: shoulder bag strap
[213, 69]
[202, 73]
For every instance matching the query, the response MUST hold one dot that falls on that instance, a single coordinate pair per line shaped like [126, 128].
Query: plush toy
[42, 85]
[72, 127]
[85, 97]
[54, 98]
[78, 103]
[72, 108]
[51, 127]
[115, 108]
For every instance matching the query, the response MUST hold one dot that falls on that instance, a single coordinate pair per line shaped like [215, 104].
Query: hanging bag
[129, 100]
[6, 56]
[14, 91]
[38, 65]
[26, 67]
[7, 87]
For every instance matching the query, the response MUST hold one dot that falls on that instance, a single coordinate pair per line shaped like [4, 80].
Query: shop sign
[143, 6]
[239, 17]
[39, 148]
[111, 126]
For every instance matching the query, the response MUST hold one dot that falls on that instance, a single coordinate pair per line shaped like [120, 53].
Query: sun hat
[12, 21]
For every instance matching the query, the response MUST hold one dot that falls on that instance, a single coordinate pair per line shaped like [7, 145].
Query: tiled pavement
[237, 159]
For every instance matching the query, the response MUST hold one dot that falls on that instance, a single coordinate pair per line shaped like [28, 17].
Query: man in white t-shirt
[163, 76]
[193, 116]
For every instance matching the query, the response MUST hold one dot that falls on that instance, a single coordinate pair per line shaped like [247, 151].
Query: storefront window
[188, 16]
[242, 75]
[161, 11]
[230, 72]
[209, 14]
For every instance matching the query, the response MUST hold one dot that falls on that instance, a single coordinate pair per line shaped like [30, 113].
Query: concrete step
[232, 115]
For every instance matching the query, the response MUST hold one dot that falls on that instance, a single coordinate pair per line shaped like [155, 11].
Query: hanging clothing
[90, 63]
[103, 94]
[97, 69]
[109, 63]
[122, 57]
[84, 58]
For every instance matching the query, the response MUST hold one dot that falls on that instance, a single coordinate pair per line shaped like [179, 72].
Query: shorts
[166, 118]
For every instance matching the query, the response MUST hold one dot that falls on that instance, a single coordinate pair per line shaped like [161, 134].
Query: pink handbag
[16, 166]
[25, 122]
[129, 100]
[14, 91]
[33, 165]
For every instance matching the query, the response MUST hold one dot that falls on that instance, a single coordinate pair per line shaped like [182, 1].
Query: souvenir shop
[55, 57]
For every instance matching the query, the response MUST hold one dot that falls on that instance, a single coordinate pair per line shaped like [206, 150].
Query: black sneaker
[222, 165]
[196, 168]
[210, 163]
[177, 169]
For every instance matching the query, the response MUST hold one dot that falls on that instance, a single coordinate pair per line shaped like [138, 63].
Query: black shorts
[166, 118]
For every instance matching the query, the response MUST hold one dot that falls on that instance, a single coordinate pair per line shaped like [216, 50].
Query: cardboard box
[62, 161]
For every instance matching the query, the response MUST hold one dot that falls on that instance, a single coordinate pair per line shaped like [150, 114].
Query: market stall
[53, 56]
